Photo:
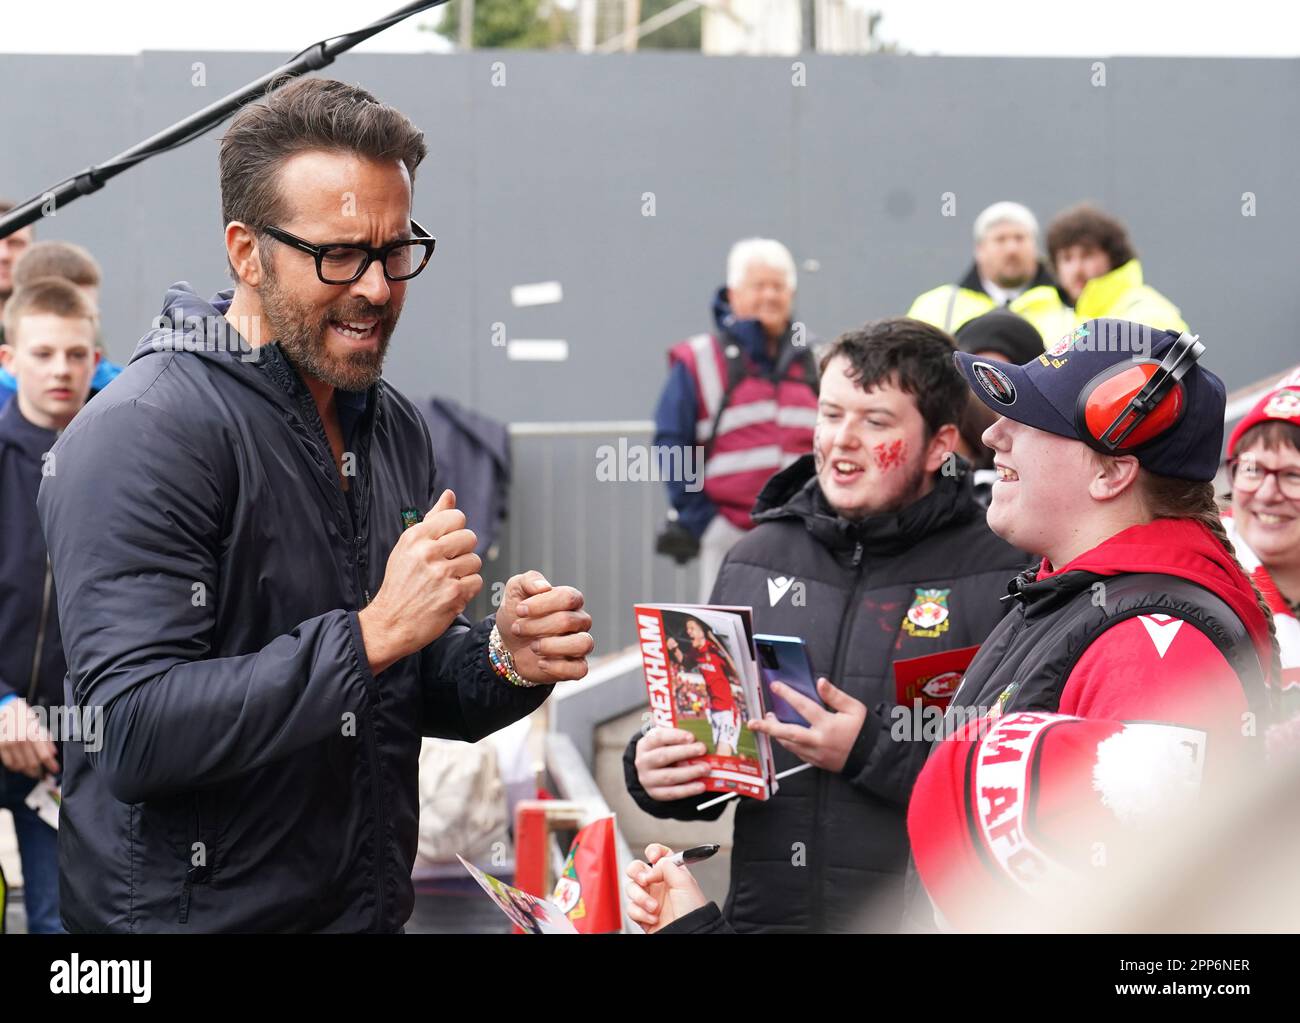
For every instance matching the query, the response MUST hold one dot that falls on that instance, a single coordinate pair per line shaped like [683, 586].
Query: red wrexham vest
[765, 426]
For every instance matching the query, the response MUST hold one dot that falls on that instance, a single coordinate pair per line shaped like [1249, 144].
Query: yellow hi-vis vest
[1121, 295]
[950, 305]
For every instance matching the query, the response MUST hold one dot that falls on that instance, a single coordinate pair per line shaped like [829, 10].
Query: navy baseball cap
[1081, 387]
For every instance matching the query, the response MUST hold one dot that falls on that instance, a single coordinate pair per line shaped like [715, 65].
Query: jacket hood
[1177, 547]
[198, 327]
[794, 493]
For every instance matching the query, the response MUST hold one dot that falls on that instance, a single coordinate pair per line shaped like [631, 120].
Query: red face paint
[889, 456]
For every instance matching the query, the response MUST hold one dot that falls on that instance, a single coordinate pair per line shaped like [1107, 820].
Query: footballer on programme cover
[702, 677]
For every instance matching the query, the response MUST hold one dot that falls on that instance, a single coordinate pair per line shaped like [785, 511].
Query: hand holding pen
[663, 890]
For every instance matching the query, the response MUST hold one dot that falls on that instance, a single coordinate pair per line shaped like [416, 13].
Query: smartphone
[784, 659]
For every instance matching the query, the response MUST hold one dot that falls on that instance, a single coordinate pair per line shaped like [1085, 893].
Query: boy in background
[72, 263]
[50, 350]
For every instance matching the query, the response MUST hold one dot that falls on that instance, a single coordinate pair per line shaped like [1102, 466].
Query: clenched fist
[545, 629]
[431, 575]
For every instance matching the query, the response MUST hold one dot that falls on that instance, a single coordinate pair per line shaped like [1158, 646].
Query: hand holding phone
[785, 659]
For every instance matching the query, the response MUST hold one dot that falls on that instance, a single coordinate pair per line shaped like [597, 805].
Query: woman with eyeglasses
[1264, 526]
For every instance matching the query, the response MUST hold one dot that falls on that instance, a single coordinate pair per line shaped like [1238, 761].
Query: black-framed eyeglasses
[345, 262]
[1247, 475]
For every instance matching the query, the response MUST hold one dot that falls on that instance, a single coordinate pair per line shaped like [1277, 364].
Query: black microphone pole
[92, 179]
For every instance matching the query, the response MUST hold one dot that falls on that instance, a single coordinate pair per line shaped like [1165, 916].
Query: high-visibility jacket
[765, 426]
[950, 305]
[1121, 295]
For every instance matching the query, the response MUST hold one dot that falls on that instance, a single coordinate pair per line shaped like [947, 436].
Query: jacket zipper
[823, 777]
[356, 538]
[40, 634]
[955, 702]
[194, 874]
[361, 501]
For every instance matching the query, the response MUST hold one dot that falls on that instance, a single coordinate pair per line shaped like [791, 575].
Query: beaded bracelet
[504, 664]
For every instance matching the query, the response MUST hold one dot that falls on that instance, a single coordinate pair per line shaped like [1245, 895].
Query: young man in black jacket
[874, 551]
[50, 351]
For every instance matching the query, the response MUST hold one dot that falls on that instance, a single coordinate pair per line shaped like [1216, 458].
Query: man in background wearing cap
[1095, 262]
[1007, 273]
[1139, 612]
[50, 350]
[1264, 526]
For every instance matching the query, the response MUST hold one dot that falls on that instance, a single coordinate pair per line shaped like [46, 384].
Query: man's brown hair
[912, 356]
[307, 114]
[52, 296]
[1084, 224]
[57, 259]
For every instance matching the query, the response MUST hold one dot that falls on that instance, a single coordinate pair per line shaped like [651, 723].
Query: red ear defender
[1127, 405]
[1108, 403]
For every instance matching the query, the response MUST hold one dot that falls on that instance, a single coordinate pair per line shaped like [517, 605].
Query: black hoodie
[254, 774]
[31, 648]
[829, 851]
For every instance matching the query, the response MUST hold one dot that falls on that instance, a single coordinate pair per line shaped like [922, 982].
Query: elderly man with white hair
[745, 395]
[1007, 273]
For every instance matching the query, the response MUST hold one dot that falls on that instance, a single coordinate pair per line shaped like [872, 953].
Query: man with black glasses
[253, 597]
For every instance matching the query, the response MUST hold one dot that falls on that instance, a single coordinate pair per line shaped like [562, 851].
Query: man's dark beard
[303, 342]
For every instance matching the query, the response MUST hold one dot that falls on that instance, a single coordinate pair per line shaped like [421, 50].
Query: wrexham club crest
[1283, 405]
[928, 615]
